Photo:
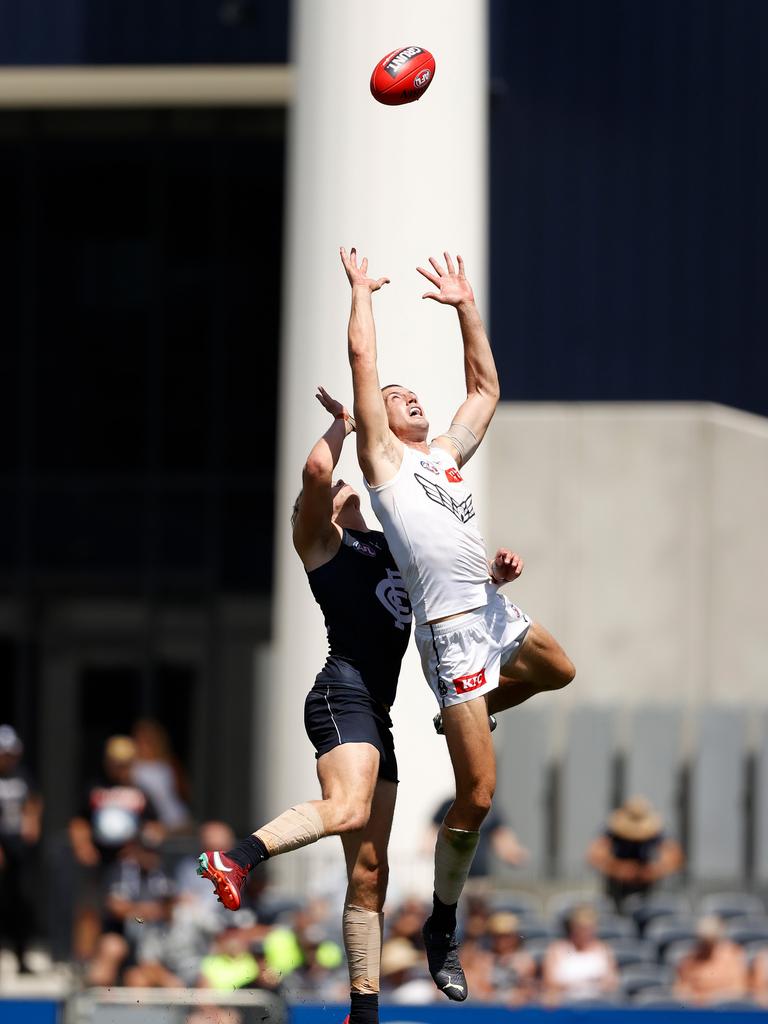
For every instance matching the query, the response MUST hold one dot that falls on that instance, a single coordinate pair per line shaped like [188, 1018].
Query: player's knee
[368, 885]
[353, 817]
[473, 806]
[563, 672]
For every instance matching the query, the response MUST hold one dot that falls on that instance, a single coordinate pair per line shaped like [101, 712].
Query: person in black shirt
[634, 853]
[20, 815]
[114, 813]
[368, 619]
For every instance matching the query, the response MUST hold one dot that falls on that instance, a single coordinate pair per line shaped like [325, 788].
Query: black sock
[364, 1009]
[249, 852]
[443, 917]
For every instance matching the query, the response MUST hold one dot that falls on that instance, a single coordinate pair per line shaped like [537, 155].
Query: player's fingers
[436, 265]
[353, 256]
[430, 277]
[364, 265]
[431, 295]
[449, 263]
[461, 265]
[382, 281]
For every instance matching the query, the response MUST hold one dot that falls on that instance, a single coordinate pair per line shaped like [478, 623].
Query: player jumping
[473, 642]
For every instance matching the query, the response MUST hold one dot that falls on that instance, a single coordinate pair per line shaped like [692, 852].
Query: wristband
[345, 416]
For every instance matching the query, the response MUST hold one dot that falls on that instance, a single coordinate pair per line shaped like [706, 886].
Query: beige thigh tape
[362, 930]
[298, 826]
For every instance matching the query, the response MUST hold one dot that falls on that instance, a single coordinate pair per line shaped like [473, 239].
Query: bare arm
[313, 531]
[378, 450]
[476, 412]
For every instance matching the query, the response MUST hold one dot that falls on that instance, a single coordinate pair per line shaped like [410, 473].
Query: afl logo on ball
[399, 59]
[421, 80]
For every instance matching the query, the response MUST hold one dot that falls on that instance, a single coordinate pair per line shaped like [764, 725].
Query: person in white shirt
[473, 642]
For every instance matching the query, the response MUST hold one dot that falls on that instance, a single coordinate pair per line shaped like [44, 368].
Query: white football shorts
[461, 657]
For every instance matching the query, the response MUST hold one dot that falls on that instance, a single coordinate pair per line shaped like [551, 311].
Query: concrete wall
[644, 533]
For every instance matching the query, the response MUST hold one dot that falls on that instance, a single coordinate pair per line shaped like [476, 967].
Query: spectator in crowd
[230, 964]
[21, 811]
[138, 905]
[579, 966]
[634, 853]
[758, 981]
[113, 814]
[403, 978]
[406, 922]
[714, 970]
[496, 839]
[158, 772]
[511, 970]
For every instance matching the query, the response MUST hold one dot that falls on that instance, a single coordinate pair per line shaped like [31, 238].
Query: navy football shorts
[336, 714]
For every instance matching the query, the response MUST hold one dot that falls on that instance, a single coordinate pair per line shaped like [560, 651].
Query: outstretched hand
[358, 276]
[336, 409]
[506, 566]
[453, 286]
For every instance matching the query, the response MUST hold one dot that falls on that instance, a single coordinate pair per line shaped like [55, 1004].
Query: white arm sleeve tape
[463, 439]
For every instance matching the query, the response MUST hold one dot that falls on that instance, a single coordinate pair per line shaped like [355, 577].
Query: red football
[402, 76]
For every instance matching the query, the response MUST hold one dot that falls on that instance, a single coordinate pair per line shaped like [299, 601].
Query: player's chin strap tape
[362, 930]
[454, 853]
[463, 440]
[298, 826]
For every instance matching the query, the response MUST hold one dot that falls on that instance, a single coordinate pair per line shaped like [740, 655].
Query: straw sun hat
[635, 820]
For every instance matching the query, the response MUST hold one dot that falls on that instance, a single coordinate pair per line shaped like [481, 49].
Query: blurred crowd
[142, 917]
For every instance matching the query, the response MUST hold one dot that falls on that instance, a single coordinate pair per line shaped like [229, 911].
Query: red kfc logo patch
[453, 475]
[466, 683]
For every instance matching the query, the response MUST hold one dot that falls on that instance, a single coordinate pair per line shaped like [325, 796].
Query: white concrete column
[401, 184]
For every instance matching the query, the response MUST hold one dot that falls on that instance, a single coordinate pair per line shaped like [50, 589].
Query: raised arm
[313, 531]
[378, 450]
[475, 413]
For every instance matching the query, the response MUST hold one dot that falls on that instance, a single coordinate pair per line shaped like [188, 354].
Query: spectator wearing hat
[580, 966]
[513, 970]
[403, 978]
[497, 968]
[21, 811]
[714, 970]
[114, 813]
[634, 853]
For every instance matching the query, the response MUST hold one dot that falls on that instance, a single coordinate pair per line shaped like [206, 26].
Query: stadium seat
[732, 904]
[628, 951]
[524, 741]
[652, 759]
[521, 903]
[748, 929]
[535, 928]
[561, 903]
[537, 948]
[676, 950]
[586, 785]
[761, 804]
[670, 929]
[645, 909]
[611, 926]
[637, 977]
[718, 780]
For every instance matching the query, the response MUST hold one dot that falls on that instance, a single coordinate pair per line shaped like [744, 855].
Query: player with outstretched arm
[480, 653]
[346, 714]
